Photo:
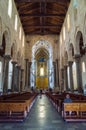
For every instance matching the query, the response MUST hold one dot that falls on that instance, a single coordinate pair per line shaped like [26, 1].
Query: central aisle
[43, 116]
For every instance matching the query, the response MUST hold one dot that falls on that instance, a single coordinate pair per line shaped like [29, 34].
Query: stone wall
[7, 26]
[69, 41]
[32, 39]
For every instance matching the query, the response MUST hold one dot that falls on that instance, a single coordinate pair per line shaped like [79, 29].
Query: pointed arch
[65, 58]
[7, 36]
[79, 43]
[70, 52]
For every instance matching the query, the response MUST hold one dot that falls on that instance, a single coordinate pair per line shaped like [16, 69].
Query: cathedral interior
[42, 62]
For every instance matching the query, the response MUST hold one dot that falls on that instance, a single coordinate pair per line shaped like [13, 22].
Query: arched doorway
[42, 72]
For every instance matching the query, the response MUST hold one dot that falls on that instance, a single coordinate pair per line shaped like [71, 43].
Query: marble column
[13, 76]
[5, 74]
[18, 77]
[54, 64]
[57, 74]
[70, 63]
[21, 80]
[29, 66]
[62, 80]
[26, 73]
[65, 78]
[78, 73]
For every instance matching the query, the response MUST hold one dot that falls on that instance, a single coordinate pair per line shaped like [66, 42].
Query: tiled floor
[43, 116]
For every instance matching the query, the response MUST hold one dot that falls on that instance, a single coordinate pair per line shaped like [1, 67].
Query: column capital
[26, 59]
[56, 60]
[14, 62]
[22, 69]
[65, 66]
[18, 66]
[77, 56]
[70, 63]
[62, 69]
[7, 57]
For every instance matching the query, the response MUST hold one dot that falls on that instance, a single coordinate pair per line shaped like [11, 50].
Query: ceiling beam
[42, 18]
[19, 1]
[42, 26]
[41, 33]
[42, 15]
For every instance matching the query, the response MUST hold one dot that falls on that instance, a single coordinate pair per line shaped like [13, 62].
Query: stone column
[57, 74]
[26, 73]
[21, 80]
[29, 65]
[5, 74]
[13, 76]
[78, 73]
[54, 64]
[62, 80]
[18, 77]
[65, 78]
[71, 75]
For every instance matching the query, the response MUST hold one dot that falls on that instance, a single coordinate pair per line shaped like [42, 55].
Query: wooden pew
[16, 108]
[57, 99]
[74, 112]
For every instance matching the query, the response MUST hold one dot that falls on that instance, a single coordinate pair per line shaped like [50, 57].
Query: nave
[43, 116]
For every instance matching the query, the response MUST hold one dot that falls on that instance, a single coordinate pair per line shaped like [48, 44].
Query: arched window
[16, 22]
[83, 67]
[60, 39]
[23, 41]
[64, 33]
[75, 5]
[20, 33]
[68, 22]
[10, 8]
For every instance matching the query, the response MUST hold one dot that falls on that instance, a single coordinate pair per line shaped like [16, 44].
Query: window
[60, 39]
[83, 67]
[68, 22]
[20, 33]
[16, 22]
[41, 71]
[64, 33]
[10, 8]
[23, 41]
[75, 5]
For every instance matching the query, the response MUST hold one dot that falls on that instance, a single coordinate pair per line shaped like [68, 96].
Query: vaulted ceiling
[42, 16]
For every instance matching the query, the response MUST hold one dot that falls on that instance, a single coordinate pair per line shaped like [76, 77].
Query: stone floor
[43, 116]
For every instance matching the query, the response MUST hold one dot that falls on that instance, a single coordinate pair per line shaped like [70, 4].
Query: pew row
[80, 110]
[16, 109]
[74, 112]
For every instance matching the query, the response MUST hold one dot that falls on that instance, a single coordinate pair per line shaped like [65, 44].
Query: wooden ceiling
[42, 16]
[41, 53]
